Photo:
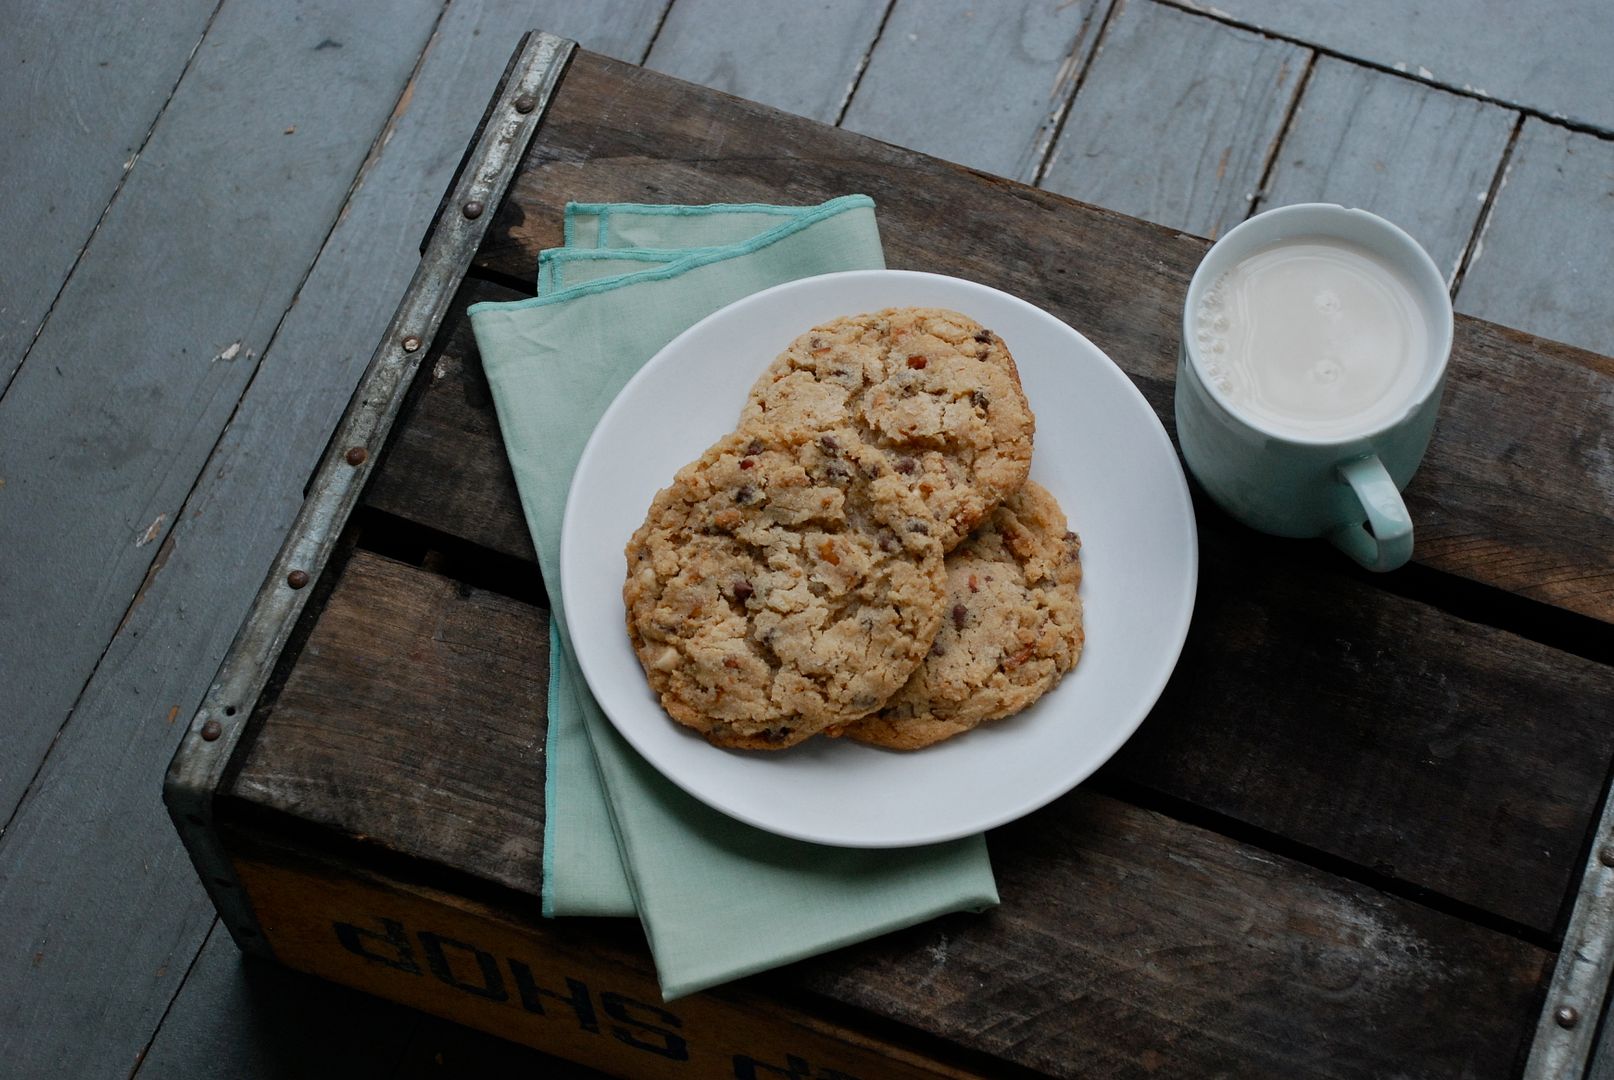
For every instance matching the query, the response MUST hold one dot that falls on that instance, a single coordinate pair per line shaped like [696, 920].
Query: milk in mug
[1313, 336]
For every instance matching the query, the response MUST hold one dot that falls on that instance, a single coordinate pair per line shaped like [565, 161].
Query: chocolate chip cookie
[1013, 628]
[933, 391]
[782, 584]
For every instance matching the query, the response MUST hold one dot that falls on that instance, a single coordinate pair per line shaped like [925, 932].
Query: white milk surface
[1313, 337]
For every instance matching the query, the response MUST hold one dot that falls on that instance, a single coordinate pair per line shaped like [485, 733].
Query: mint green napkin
[718, 899]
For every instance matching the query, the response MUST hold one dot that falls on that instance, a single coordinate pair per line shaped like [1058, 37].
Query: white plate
[1099, 449]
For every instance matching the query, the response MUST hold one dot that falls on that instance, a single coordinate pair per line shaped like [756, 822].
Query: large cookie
[934, 391]
[1013, 628]
[777, 587]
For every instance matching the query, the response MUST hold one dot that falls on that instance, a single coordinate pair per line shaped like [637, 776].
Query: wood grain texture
[1421, 157]
[802, 58]
[1124, 937]
[95, 877]
[1411, 742]
[979, 84]
[1545, 256]
[1513, 492]
[82, 86]
[1176, 120]
[407, 672]
[1130, 945]
[159, 331]
[424, 476]
[1554, 62]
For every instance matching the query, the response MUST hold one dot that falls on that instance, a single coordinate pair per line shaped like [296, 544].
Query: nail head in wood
[212, 730]
[1606, 856]
[411, 343]
[1567, 1016]
[525, 103]
[297, 578]
[356, 455]
[472, 209]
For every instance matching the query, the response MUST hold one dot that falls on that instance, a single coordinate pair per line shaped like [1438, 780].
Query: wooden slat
[1545, 256]
[1551, 60]
[147, 352]
[1128, 944]
[415, 670]
[1411, 742]
[1177, 119]
[82, 85]
[1530, 514]
[1298, 705]
[1419, 156]
[1124, 938]
[802, 58]
[122, 901]
[979, 84]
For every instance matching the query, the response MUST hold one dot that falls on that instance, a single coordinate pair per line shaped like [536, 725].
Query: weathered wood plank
[82, 85]
[258, 1021]
[1553, 61]
[802, 58]
[622, 29]
[980, 84]
[414, 669]
[1545, 255]
[1177, 119]
[1125, 938]
[160, 328]
[1417, 744]
[96, 879]
[1514, 492]
[1131, 945]
[1419, 156]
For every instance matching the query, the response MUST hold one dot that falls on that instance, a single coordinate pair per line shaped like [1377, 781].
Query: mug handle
[1389, 545]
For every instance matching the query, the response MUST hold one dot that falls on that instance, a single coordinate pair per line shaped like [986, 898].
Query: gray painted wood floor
[211, 209]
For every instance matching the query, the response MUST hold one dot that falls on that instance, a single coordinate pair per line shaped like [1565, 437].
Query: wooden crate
[1347, 842]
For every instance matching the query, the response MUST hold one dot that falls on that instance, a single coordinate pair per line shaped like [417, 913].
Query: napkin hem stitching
[700, 257]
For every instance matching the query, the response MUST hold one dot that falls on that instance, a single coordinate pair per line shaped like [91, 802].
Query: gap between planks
[863, 64]
[1461, 91]
[1265, 182]
[1476, 239]
[117, 189]
[644, 55]
[1045, 153]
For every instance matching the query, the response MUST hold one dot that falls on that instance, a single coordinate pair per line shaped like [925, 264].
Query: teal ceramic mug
[1343, 483]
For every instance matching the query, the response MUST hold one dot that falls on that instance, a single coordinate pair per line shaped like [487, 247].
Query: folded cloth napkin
[718, 899]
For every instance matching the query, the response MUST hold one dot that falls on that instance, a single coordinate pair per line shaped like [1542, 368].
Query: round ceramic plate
[1099, 449]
